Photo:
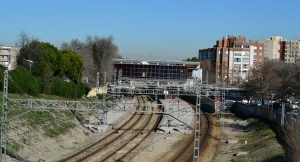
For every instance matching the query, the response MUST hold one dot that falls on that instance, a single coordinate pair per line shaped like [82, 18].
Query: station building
[156, 69]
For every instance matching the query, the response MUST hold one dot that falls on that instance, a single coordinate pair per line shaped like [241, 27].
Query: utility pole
[272, 100]
[30, 64]
[197, 123]
[282, 114]
[97, 86]
[104, 89]
[115, 84]
[207, 84]
[4, 121]
[119, 82]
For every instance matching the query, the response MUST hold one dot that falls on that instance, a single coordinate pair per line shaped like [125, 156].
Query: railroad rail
[101, 151]
[127, 148]
[186, 153]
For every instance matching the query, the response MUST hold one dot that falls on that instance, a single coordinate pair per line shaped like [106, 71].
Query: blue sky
[169, 30]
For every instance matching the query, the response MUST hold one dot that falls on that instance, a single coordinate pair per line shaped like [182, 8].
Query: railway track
[119, 143]
[186, 153]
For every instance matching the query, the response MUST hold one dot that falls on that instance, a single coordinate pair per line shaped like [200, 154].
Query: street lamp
[30, 64]
[272, 100]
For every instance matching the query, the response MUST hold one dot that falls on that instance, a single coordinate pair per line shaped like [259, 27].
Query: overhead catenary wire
[18, 87]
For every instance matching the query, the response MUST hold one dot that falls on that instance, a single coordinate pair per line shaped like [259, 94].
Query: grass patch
[34, 119]
[60, 129]
[262, 143]
[68, 114]
[13, 146]
[59, 122]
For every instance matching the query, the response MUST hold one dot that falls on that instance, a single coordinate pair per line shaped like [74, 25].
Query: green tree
[72, 64]
[96, 57]
[194, 59]
[42, 60]
[42, 55]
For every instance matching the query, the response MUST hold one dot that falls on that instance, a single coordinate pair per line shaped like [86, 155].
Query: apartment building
[233, 58]
[8, 56]
[291, 51]
[272, 48]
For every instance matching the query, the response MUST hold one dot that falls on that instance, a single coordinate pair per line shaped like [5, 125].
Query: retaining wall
[254, 111]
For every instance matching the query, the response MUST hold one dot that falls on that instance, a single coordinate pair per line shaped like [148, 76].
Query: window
[254, 60]
[260, 54]
[226, 58]
[245, 46]
[245, 66]
[245, 59]
[254, 53]
[260, 48]
[237, 46]
[255, 47]
[237, 54]
[237, 59]
[246, 54]
[236, 66]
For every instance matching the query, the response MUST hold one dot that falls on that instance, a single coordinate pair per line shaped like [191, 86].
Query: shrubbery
[66, 89]
[26, 83]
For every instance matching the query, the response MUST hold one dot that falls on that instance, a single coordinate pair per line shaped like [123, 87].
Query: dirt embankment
[247, 140]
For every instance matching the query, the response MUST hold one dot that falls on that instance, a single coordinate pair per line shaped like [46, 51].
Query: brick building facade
[233, 58]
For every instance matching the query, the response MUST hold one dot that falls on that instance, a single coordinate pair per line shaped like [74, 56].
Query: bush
[66, 89]
[23, 82]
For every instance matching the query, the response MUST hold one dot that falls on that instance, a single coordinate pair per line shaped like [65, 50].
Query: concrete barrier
[255, 111]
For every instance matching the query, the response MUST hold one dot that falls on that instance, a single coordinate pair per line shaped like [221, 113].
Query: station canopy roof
[154, 62]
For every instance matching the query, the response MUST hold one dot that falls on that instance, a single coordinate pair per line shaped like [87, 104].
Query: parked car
[295, 112]
[287, 109]
[257, 103]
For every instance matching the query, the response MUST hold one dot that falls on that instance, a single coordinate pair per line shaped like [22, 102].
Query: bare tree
[75, 45]
[25, 39]
[207, 67]
[259, 84]
[284, 80]
[291, 134]
[237, 78]
[97, 53]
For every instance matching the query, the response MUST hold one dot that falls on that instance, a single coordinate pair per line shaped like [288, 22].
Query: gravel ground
[230, 132]
[158, 147]
[41, 147]
[213, 142]
[261, 149]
